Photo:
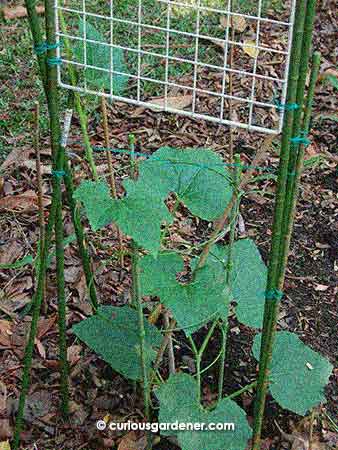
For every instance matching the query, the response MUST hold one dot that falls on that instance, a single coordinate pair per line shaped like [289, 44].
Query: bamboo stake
[83, 119]
[271, 304]
[299, 163]
[171, 354]
[112, 182]
[37, 39]
[297, 126]
[40, 193]
[58, 155]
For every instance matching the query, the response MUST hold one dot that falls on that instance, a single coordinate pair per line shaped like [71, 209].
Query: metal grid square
[176, 56]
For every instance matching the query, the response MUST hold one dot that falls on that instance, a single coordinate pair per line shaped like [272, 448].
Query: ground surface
[309, 308]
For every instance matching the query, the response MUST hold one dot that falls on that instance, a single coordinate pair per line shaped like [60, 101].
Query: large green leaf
[113, 334]
[249, 275]
[178, 403]
[99, 55]
[298, 374]
[192, 304]
[95, 196]
[198, 177]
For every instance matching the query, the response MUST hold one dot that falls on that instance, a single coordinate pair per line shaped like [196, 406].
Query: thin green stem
[271, 306]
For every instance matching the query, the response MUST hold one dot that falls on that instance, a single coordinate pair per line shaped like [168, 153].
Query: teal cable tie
[301, 139]
[58, 173]
[292, 174]
[286, 106]
[54, 61]
[40, 49]
[274, 294]
[52, 46]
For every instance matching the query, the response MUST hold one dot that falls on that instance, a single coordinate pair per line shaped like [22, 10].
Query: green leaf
[198, 177]
[192, 304]
[113, 334]
[178, 404]
[95, 196]
[333, 80]
[99, 55]
[249, 275]
[298, 374]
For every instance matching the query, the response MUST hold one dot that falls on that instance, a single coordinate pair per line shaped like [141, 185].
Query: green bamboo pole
[297, 127]
[37, 299]
[233, 216]
[271, 304]
[83, 119]
[58, 152]
[298, 165]
[81, 241]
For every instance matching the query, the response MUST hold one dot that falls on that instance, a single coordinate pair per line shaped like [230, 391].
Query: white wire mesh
[175, 56]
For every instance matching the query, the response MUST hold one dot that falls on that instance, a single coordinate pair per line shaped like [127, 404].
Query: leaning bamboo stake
[273, 282]
[58, 151]
[83, 119]
[297, 125]
[40, 193]
[111, 173]
[37, 40]
[298, 168]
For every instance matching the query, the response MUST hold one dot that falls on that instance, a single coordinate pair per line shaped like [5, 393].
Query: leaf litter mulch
[309, 307]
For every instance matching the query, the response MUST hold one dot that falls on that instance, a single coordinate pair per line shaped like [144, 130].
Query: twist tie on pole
[40, 49]
[58, 173]
[286, 106]
[55, 61]
[292, 174]
[274, 294]
[301, 139]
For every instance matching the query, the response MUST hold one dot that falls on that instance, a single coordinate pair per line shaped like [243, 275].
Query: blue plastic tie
[40, 49]
[58, 173]
[286, 106]
[55, 61]
[274, 294]
[301, 139]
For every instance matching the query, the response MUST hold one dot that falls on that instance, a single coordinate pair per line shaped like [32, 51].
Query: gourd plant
[200, 182]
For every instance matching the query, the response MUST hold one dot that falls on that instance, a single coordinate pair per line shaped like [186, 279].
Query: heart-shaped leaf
[298, 374]
[192, 304]
[113, 333]
[178, 404]
[249, 275]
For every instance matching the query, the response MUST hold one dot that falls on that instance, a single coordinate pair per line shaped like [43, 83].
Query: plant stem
[271, 305]
[58, 155]
[77, 101]
[171, 354]
[233, 217]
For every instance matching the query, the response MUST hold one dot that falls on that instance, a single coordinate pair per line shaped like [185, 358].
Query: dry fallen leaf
[24, 202]
[10, 252]
[179, 102]
[238, 22]
[5, 334]
[11, 13]
[131, 442]
[249, 48]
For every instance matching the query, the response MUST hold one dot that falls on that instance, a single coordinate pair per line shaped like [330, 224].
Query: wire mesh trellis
[174, 56]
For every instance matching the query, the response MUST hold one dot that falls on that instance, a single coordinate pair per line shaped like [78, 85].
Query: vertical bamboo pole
[271, 304]
[297, 168]
[58, 155]
[297, 129]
